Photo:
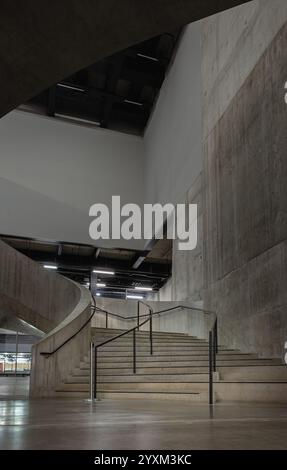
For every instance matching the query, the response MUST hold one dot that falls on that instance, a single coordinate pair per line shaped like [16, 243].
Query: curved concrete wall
[36, 295]
[48, 373]
[54, 305]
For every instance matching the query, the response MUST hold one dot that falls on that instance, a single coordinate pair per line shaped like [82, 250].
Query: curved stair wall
[48, 373]
[36, 295]
[51, 303]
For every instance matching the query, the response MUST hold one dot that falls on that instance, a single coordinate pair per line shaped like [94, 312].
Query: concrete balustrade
[50, 372]
[51, 303]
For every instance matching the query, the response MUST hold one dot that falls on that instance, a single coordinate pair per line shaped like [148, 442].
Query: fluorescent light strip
[99, 271]
[98, 294]
[135, 297]
[144, 56]
[71, 87]
[147, 289]
[134, 102]
[49, 266]
[77, 119]
[138, 262]
[100, 284]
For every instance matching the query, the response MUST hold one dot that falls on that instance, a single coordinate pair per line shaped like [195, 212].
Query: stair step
[166, 355]
[120, 395]
[151, 368]
[140, 370]
[195, 387]
[254, 373]
[251, 391]
[125, 341]
[157, 334]
[164, 349]
[142, 378]
[106, 358]
[186, 363]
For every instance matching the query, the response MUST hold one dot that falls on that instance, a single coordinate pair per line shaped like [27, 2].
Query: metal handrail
[114, 338]
[212, 340]
[94, 309]
[133, 317]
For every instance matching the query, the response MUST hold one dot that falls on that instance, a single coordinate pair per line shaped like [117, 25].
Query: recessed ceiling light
[136, 103]
[144, 56]
[98, 294]
[135, 297]
[71, 87]
[148, 289]
[76, 119]
[99, 271]
[138, 262]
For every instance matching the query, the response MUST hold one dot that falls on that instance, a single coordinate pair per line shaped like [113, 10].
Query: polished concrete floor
[138, 424]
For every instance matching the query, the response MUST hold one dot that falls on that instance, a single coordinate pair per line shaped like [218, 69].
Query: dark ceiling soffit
[41, 43]
[87, 262]
[64, 243]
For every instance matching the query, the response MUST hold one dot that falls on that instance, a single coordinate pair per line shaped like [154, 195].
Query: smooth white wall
[51, 172]
[173, 158]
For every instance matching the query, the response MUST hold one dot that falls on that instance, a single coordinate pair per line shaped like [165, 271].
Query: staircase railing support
[91, 371]
[134, 352]
[95, 372]
[151, 333]
[211, 352]
[138, 316]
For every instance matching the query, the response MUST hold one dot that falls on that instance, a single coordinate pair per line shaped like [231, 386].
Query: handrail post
[214, 350]
[107, 319]
[150, 333]
[216, 336]
[95, 372]
[92, 370]
[134, 352]
[138, 314]
[210, 368]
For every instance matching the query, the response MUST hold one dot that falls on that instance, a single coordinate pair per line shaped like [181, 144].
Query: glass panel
[15, 352]
[11, 363]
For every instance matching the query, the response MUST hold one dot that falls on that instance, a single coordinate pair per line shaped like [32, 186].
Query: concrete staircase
[177, 370]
